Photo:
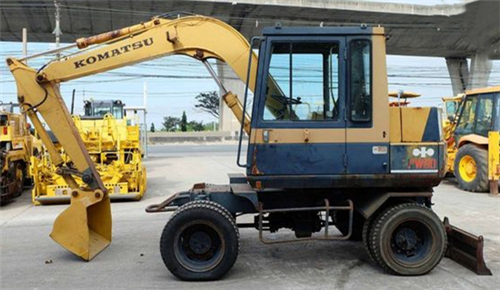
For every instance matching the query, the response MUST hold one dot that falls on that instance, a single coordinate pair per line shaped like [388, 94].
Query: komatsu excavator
[325, 149]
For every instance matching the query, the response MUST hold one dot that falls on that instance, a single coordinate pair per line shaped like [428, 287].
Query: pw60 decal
[414, 158]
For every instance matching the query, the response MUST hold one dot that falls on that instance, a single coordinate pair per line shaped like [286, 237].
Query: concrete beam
[480, 70]
[459, 73]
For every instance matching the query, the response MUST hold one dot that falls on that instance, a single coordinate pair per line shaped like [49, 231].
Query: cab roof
[311, 31]
[483, 90]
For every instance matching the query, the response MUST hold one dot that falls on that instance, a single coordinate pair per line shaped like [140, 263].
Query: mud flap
[466, 249]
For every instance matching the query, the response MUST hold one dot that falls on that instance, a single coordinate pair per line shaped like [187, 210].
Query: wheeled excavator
[325, 149]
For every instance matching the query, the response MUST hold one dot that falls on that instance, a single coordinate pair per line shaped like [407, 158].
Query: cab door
[367, 110]
[300, 127]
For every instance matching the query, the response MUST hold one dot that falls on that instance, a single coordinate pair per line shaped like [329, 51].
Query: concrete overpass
[456, 32]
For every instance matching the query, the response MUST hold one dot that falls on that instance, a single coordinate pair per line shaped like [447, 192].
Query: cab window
[466, 123]
[360, 103]
[304, 82]
[484, 122]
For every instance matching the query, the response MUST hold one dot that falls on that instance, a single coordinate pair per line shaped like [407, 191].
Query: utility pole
[145, 101]
[57, 30]
[25, 43]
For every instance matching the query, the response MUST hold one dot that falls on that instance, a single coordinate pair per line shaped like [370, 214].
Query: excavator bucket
[466, 249]
[84, 228]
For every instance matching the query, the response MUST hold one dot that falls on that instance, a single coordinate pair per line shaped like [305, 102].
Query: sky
[174, 81]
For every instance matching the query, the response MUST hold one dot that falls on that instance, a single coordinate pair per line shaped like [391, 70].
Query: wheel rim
[468, 168]
[199, 246]
[411, 243]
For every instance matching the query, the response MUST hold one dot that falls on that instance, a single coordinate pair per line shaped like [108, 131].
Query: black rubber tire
[480, 156]
[20, 184]
[342, 224]
[382, 243]
[200, 213]
[367, 227]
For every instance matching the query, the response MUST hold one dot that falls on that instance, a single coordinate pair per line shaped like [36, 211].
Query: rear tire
[471, 168]
[367, 227]
[408, 239]
[200, 241]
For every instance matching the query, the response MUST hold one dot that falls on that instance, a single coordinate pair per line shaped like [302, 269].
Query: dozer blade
[466, 249]
[84, 228]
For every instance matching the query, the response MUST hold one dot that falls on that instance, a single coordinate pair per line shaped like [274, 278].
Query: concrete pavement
[133, 260]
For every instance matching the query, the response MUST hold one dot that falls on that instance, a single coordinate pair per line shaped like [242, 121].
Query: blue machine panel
[297, 159]
[367, 158]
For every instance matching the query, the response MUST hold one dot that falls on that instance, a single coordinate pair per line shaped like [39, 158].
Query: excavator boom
[85, 227]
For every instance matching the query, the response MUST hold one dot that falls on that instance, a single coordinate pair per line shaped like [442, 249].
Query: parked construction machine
[17, 145]
[473, 139]
[325, 149]
[113, 143]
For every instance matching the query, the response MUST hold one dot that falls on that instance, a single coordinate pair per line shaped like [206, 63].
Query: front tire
[200, 242]
[471, 168]
[408, 239]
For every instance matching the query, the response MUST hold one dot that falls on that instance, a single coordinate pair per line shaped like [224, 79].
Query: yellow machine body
[17, 145]
[472, 139]
[114, 146]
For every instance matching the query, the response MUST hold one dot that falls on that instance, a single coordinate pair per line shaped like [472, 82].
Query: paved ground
[133, 261]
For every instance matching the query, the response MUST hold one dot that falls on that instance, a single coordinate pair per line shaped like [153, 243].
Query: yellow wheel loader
[113, 143]
[327, 157]
[17, 145]
[473, 141]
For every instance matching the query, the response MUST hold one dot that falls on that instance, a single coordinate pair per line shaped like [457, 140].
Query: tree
[197, 126]
[170, 123]
[184, 122]
[152, 129]
[208, 102]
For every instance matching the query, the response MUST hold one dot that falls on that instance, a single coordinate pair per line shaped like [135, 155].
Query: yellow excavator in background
[473, 139]
[17, 145]
[309, 142]
[113, 142]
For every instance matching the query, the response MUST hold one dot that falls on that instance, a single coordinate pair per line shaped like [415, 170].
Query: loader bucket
[84, 228]
[466, 249]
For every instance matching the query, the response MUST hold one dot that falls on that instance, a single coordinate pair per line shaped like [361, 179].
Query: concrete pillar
[459, 73]
[480, 70]
[231, 82]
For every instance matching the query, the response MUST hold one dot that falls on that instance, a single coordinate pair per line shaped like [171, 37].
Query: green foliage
[152, 129]
[208, 102]
[184, 122]
[212, 126]
[197, 126]
[170, 124]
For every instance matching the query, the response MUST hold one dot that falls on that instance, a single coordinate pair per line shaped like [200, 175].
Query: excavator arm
[84, 228]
